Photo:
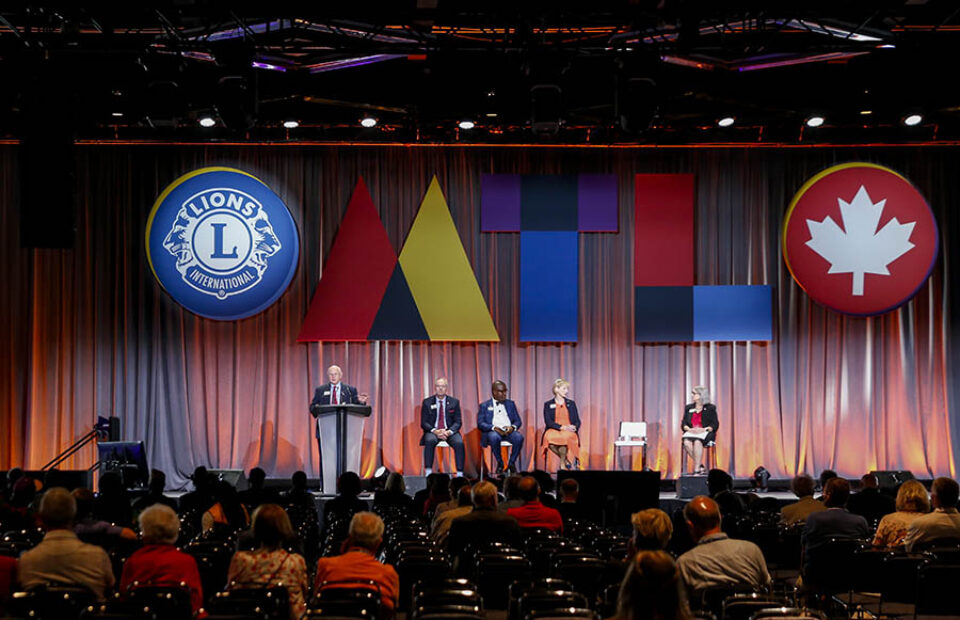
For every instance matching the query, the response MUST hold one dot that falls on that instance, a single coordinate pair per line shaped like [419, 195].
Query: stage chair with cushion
[503, 444]
[709, 457]
[443, 459]
[632, 435]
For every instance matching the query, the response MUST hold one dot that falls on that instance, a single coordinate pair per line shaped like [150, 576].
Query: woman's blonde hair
[558, 383]
[704, 394]
[912, 497]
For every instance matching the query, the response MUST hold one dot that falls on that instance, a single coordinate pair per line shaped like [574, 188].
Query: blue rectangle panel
[732, 313]
[663, 314]
[549, 278]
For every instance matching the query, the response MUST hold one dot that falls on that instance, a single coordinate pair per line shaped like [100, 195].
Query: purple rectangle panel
[500, 203]
[597, 202]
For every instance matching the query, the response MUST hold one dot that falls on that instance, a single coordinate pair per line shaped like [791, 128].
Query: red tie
[442, 418]
[336, 394]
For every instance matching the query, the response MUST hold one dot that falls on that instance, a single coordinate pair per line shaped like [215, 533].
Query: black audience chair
[585, 573]
[608, 601]
[743, 606]
[935, 590]
[494, 574]
[711, 599]
[171, 602]
[357, 598]
[567, 612]
[790, 613]
[433, 597]
[53, 602]
[899, 584]
[412, 569]
[546, 600]
[118, 611]
[519, 588]
[272, 602]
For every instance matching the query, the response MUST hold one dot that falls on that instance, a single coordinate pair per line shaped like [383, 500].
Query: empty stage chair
[632, 435]
[503, 444]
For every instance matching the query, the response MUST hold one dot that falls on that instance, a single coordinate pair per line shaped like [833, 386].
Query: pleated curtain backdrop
[88, 331]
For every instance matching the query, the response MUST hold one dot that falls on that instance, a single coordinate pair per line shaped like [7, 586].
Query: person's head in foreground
[366, 531]
[703, 517]
[652, 589]
[159, 525]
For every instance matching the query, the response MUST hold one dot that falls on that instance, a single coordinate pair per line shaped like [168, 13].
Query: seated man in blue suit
[498, 420]
[440, 420]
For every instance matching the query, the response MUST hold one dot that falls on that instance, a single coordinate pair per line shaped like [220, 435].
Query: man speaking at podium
[335, 392]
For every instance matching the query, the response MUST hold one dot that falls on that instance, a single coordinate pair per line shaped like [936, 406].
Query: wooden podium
[341, 438]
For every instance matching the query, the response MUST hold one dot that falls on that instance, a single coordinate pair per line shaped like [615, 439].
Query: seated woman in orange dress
[563, 424]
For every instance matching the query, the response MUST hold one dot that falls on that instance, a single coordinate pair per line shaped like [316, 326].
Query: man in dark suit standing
[440, 419]
[499, 420]
[334, 392]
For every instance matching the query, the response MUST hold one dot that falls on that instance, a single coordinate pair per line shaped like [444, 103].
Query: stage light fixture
[368, 122]
[866, 112]
[726, 121]
[380, 476]
[760, 479]
[116, 114]
[466, 124]
[912, 120]
[291, 123]
[815, 121]
[207, 121]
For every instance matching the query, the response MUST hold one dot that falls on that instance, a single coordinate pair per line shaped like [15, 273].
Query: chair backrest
[567, 612]
[273, 601]
[743, 606]
[50, 601]
[631, 430]
[790, 613]
[900, 576]
[495, 573]
[543, 600]
[167, 601]
[935, 594]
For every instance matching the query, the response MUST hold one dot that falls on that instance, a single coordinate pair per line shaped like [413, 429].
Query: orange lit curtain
[88, 331]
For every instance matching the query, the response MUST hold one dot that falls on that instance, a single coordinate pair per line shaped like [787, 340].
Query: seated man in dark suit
[943, 524]
[870, 503]
[483, 524]
[499, 420]
[835, 522]
[440, 419]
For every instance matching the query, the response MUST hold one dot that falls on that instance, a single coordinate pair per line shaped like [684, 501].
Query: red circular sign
[860, 239]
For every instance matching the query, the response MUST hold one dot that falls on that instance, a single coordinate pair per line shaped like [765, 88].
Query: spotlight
[815, 121]
[380, 476]
[911, 120]
[760, 479]
[291, 123]
[467, 124]
[726, 121]
[207, 121]
[368, 122]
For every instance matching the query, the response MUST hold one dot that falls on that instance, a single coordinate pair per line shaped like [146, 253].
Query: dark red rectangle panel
[663, 230]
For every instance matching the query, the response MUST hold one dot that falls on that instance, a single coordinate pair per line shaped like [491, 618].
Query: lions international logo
[222, 243]
[860, 239]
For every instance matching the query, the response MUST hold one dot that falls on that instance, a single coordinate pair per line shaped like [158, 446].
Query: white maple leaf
[859, 248]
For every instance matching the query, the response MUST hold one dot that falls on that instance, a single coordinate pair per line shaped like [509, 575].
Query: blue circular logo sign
[222, 243]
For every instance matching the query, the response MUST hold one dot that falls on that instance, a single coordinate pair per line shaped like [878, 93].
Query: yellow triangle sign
[440, 277]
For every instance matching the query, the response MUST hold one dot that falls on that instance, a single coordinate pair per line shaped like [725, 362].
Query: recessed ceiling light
[467, 124]
[491, 115]
[117, 114]
[368, 122]
[726, 121]
[291, 123]
[207, 121]
[865, 112]
[815, 121]
[912, 119]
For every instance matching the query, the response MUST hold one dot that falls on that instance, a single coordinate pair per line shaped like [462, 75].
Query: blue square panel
[732, 313]
[663, 314]
[549, 202]
[549, 278]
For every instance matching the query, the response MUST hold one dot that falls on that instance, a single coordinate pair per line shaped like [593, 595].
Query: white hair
[160, 524]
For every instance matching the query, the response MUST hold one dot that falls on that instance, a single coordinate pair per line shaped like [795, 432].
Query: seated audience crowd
[218, 539]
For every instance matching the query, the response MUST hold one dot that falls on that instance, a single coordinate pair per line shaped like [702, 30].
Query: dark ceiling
[604, 72]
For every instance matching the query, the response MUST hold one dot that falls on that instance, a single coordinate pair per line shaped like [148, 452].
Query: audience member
[547, 486]
[912, 502]
[299, 495]
[196, 502]
[483, 524]
[270, 564]
[652, 529]
[256, 493]
[19, 514]
[61, 557]
[113, 502]
[511, 493]
[92, 530]
[358, 562]
[825, 476]
[439, 494]
[835, 522]
[570, 509]
[227, 512]
[717, 560]
[346, 504]
[159, 562]
[442, 520]
[651, 589]
[533, 513]
[158, 481]
[456, 483]
[797, 512]
[720, 488]
[870, 503]
[942, 526]
[420, 497]
[394, 493]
